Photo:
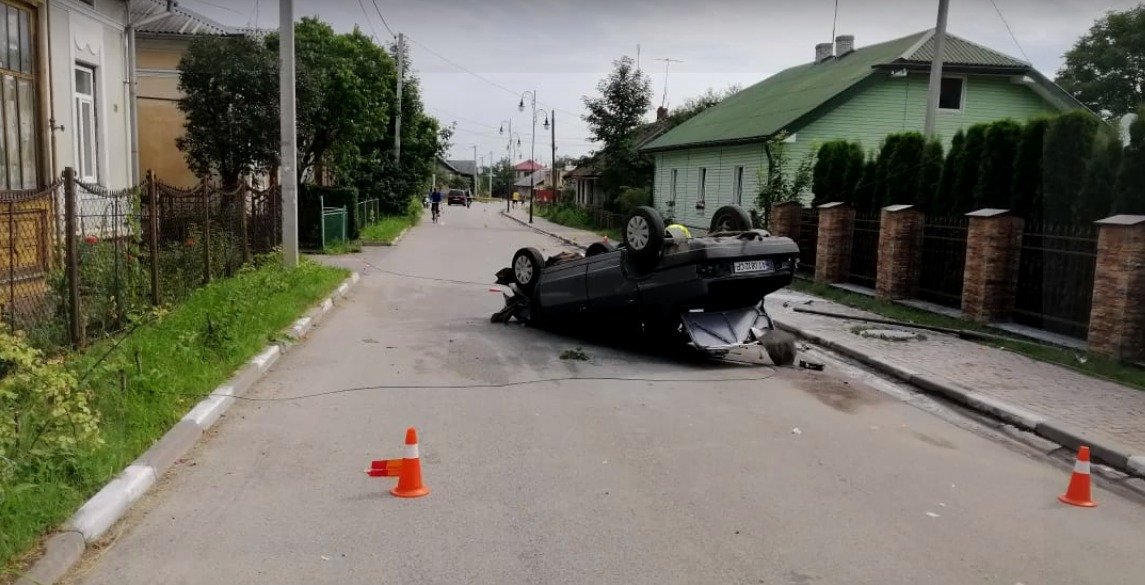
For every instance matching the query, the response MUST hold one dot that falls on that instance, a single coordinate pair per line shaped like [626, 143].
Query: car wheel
[644, 233]
[527, 266]
[731, 218]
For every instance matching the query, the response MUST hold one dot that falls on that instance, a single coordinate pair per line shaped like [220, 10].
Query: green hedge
[310, 201]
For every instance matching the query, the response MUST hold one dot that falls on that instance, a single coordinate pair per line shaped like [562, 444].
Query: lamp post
[533, 148]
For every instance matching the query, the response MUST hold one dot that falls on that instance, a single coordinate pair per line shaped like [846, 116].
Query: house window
[86, 151]
[18, 152]
[701, 202]
[672, 188]
[737, 186]
[950, 97]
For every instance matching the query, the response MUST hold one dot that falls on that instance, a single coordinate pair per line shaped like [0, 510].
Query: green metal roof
[773, 104]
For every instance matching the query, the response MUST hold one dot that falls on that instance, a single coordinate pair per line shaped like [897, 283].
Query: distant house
[538, 181]
[585, 178]
[162, 38]
[859, 94]
[522, 170]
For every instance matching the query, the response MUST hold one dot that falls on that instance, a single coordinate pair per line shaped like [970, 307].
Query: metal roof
[179, 21]
[962, 52]
[464, 167]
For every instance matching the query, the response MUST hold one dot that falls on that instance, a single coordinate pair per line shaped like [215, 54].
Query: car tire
[644, 233]
[527, 266]
[731, 218]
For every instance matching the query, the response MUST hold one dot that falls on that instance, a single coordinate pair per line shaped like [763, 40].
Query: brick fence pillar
[785, 219]
[993, 243]
[833, 250]
[1117, 319]
[900, 252]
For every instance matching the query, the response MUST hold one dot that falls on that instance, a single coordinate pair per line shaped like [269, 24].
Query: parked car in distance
[455, 197]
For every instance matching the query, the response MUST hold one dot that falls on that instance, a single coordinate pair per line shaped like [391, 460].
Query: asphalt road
[589, 481]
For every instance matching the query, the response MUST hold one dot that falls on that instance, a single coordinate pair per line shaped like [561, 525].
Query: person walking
[516, 199]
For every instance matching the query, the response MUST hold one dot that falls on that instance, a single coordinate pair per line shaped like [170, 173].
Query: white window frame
[737, 185]
[673, 187]
[702, 201]
[79, 100]
[961, 98]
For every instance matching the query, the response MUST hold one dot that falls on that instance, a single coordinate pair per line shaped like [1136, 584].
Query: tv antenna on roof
[668, 61]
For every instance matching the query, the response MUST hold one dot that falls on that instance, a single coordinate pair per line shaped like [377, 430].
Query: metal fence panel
[808, 239]
[1055, 278]
[865, 250]
[943, 260]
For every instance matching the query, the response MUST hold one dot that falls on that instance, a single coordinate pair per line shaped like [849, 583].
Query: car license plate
[752, 266]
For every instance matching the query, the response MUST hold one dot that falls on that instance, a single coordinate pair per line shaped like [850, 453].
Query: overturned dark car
[704, 291]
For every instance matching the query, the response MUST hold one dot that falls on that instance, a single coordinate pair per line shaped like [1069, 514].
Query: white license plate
[752, 266]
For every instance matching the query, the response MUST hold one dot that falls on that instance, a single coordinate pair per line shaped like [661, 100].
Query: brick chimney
[661, 113]
[844, 44]
[823, 52]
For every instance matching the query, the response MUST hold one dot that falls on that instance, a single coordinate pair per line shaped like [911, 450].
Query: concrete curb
[1111, 453]
[96, 516]
[544, 232]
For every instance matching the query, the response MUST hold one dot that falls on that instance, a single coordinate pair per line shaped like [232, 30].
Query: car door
[561, 290]
[608, 286]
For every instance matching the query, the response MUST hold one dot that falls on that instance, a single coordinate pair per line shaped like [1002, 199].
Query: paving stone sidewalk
[1106, 412]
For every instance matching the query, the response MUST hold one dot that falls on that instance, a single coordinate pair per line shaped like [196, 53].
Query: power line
[221, 7]
[384, 23]
[368, 21]
[1009, 30]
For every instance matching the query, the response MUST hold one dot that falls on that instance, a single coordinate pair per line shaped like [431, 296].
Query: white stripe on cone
[411, 452]
[1078, 467]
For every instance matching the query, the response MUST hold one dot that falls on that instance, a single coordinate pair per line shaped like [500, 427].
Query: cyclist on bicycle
[435, 203]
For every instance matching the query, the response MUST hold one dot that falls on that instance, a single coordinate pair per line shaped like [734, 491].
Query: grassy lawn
[1094, 366]
[145, 382]
[387, 229]
[577, 218]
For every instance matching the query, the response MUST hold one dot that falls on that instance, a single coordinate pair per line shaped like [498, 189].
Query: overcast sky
[561, 48]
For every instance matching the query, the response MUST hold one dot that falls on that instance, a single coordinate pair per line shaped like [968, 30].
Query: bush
[311, 198]
[944, 203]
[45, 419]
[838, 167]
[1026, 189]
[1098, 191]
[1130, 187]
[966, 179]
[996, 170]
[866, 190]
[929, 177]
[633, 197]
[1066, 151]
[903, 167]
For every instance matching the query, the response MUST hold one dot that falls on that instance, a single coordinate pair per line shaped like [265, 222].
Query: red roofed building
[524, 169]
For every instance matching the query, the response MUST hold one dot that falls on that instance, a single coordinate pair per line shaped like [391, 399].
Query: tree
[996, 172]
[1026, 188]
[503, 177]
[1105, 69]
[929, 177]
[1130, 186]
[625, 96]
[904, 163]
[1067, 149]
[966, 181]
[944, 203]
[777, 185]
[230, 101]
[866, 191]
[697, 104]
[1098, 190]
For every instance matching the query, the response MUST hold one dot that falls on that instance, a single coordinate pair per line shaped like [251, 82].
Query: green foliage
[903, 166]
[996, 170]
[781, 183]
[45, 418]
[1105, 69]
[230, 99]
[503, 177]
[1067, 149]
[632, 197]
[838, 168]
[625, 95]
[1099, 189]
[944, 202]
[865, 194]
[1130, 188]
[1026, 187]
[929, 177]
[966, 179]
[696, 105]
[311, 198]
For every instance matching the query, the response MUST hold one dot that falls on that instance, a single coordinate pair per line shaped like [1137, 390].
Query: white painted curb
[97, 515]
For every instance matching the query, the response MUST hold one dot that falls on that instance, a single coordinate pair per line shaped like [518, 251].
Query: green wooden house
[860, 94]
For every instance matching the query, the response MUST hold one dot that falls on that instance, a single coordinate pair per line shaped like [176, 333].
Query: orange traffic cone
[1077, 494]
[407, 469]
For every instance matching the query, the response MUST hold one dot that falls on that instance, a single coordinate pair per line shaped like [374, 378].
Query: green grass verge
[1093, 366]
[576, 218]
[147, 382]
[387, 229]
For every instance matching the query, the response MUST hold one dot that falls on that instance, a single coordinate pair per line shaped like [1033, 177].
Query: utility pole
[490, 173]
[398, 117]
[668, 61]
[554, 174]
[288, 154]
[476, 171]
[509, 153]
[936, 69]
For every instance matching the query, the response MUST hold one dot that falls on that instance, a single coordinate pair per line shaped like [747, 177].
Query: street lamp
[533, 148]
[509, 153]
